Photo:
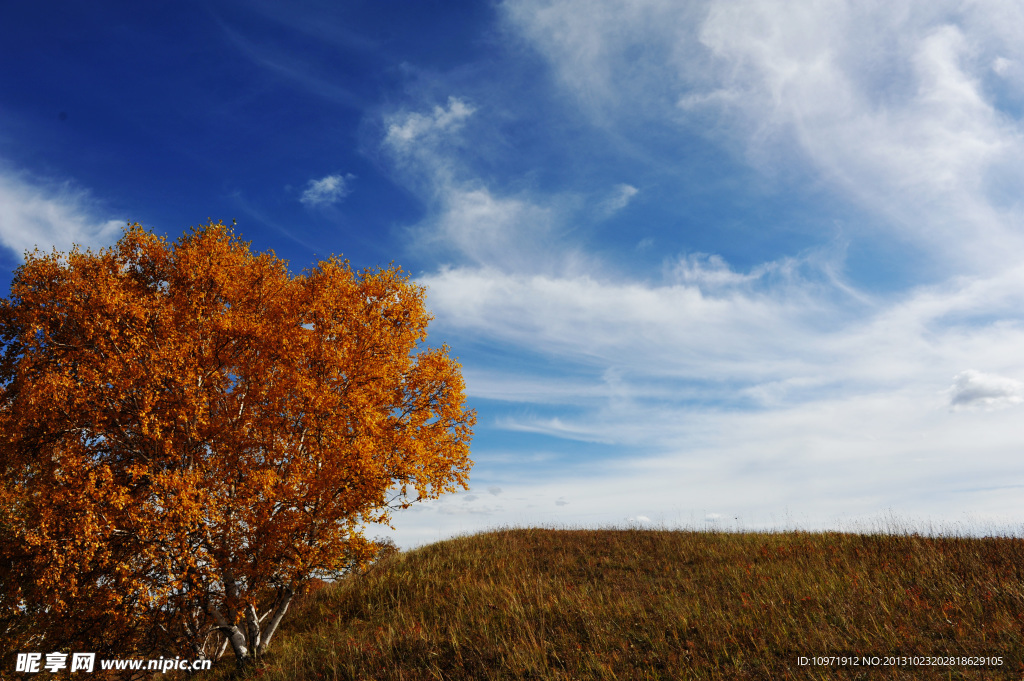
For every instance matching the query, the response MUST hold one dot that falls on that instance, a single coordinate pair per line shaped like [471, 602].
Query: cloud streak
[50, 215]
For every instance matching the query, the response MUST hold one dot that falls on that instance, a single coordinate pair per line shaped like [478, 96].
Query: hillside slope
[648, 604]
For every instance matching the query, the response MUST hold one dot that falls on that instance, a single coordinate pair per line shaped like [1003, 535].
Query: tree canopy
[189, 433]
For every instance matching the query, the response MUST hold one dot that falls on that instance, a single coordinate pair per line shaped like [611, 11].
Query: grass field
[659, 604]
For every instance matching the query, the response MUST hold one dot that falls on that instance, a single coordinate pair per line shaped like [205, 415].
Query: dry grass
[650, 604]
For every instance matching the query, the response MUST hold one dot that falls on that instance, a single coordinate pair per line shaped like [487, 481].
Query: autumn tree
[188, 434]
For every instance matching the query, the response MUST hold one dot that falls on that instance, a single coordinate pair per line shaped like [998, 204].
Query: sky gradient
[735, 264]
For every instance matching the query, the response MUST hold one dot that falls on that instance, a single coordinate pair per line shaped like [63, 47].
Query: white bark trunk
[252, 624]
[279, 612]
[233, 634]
[252, 641]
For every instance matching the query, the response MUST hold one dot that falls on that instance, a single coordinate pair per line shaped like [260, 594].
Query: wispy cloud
[926, 153]
[466, 218]
[35, 213]
[613, 57]
[327, 190]
[290, 69]
[488, 229]
[618, 199]
[896, 105]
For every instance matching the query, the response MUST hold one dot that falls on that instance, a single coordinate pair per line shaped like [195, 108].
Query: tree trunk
[252, 625]
[233, 634]
[275, 620]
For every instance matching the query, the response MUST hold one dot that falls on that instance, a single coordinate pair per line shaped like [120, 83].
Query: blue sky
[731, 264]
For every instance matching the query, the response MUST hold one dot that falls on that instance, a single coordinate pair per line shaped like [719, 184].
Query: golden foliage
[185, 427]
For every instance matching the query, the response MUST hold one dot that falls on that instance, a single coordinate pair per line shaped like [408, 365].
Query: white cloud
[50, 215]
[619, 199]
[327, 190]
[1002, 65]
[975, 389]
[406, 128]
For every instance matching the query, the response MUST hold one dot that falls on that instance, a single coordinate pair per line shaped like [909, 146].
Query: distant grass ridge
[660, 604]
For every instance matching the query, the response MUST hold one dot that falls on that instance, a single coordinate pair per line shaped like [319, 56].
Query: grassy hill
[649, 604]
